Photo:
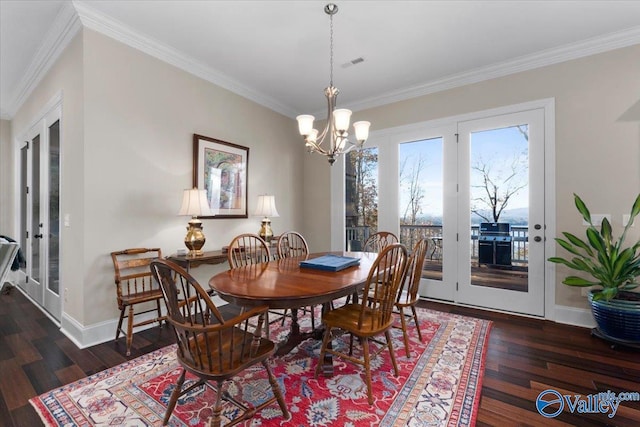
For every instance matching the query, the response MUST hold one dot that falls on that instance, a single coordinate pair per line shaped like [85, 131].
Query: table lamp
[266, 208]
[195, 204]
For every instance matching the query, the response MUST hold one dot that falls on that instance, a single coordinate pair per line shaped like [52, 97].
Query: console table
[187, 262]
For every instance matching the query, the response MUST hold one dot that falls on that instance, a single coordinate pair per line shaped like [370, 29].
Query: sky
[495, 148]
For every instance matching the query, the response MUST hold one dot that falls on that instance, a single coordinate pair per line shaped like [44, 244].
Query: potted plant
[614, 270]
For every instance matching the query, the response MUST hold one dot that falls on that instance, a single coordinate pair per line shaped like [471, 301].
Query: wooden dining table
[283, 284]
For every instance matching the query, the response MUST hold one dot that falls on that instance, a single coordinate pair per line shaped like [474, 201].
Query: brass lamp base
[194, 240]
[265, 230]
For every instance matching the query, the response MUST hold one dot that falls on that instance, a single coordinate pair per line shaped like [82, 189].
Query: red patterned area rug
[438, 386]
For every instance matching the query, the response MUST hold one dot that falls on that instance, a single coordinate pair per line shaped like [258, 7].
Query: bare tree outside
[410, 183]
[499, 183]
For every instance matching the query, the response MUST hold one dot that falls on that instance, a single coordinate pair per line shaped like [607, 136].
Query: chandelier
[337, 125]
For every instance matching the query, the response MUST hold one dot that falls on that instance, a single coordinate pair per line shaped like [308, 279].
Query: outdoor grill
[494, 243]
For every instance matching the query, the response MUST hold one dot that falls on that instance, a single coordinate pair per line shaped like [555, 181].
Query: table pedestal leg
[295, 336]
[327, 362]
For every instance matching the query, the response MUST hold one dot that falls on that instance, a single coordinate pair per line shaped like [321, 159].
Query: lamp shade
[266, 206]
[362, 130]
[194, 203]
[341, 118]
[305, 123]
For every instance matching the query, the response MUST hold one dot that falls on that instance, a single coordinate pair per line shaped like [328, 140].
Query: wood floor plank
[23, 350]
[494, 412]
[70, 374]
[625, 416]
[16, 386]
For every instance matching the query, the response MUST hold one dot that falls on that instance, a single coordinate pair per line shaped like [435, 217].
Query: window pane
[54, 203]
[499, 161]
[361, 196]
[421, 199]
[35, 209]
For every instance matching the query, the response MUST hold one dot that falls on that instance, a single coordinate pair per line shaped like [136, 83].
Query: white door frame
[386, 138]
[40, 292]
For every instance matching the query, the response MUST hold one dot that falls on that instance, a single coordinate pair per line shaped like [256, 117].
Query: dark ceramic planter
[618, 319]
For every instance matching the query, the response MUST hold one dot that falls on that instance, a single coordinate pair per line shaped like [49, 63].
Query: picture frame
[221, 168]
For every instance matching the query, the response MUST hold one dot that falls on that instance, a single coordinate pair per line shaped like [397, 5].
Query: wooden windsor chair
[210, 347]
[372, 316]
[292, 244]
[408, 295]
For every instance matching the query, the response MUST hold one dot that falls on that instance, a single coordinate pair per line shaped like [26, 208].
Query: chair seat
[140, 297]
[236, 346]
[348, 316]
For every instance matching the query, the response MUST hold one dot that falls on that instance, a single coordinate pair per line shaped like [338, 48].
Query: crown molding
[617, 40]
[114, 29]
[64, 28]
[75, 14]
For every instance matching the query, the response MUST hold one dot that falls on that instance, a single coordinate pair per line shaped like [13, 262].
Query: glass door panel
[36, 222]
[421, 200]
[361, 196]
[499, 200]
[53, 282]
[24, 219]
[427, 204]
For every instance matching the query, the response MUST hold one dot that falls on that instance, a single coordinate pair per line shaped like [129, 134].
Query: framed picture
[221, 168]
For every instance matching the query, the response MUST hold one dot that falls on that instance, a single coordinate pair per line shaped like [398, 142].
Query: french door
[474, 187]
[501, 224]
[39, 201]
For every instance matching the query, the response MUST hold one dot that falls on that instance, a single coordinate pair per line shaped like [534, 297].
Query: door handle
[37, 236]
[537, 239]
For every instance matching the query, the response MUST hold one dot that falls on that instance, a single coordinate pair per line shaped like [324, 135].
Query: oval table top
[283, 284]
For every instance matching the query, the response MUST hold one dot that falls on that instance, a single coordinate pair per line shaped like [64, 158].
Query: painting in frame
[221, 168]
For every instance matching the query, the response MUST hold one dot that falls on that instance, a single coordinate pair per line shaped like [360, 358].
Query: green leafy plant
[613, 267]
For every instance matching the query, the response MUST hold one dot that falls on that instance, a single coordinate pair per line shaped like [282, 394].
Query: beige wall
[140, 118]
[128, 123]
[6, 179]
[65, 76]
[597, 136]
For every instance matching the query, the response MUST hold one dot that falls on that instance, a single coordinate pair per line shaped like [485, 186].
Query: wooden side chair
[250, 249]
[408, 295]
[210, 347]
[292, 244]
[134, 286]
[375, 243]
[247, 249]
[380, 240]
[372, 316]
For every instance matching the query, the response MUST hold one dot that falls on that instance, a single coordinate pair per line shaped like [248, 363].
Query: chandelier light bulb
[341, 118]
[361, 130]
[313, 135]
[305, 124]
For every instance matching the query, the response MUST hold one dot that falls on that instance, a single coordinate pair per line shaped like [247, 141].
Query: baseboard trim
[98, 333]
[574, 316]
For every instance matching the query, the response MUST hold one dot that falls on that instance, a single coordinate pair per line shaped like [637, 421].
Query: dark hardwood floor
[524, 357]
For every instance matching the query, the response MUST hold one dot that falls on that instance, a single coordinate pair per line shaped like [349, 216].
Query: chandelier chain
[331, 50]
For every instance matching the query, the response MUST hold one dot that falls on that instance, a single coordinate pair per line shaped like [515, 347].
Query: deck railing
[410, 234]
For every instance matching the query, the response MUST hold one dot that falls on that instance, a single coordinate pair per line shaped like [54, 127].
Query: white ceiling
[277, 52]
